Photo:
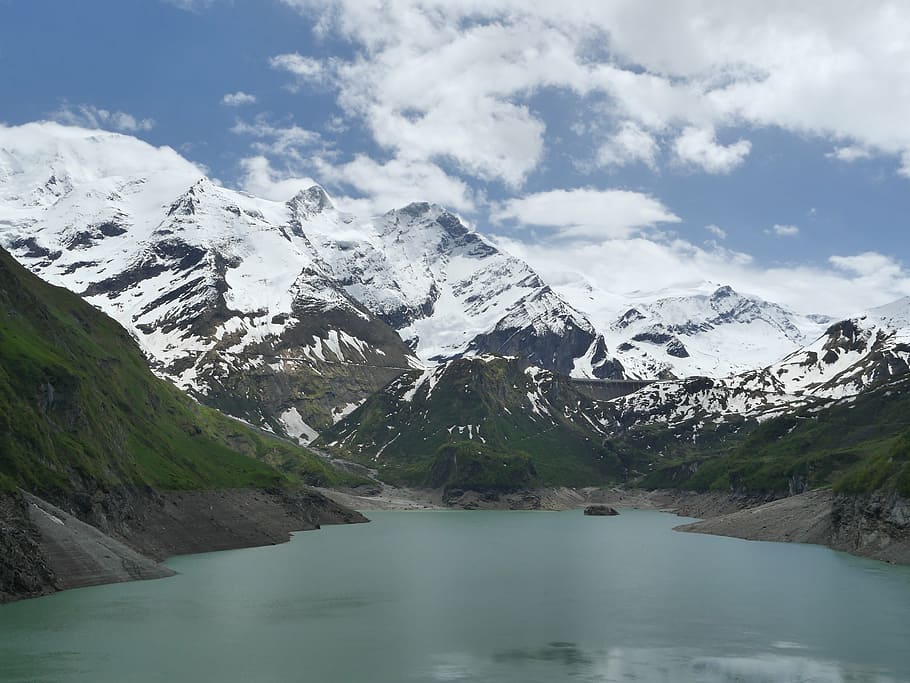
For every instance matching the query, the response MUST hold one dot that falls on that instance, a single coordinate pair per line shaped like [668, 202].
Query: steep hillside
[858, 445]
[80, 411]
[484, 423]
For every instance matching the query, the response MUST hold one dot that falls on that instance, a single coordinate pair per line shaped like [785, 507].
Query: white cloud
[717, 231]
[849, 153]
[587, 214]
[395, 183]
[262, 180]
[444, 78]
[868, 264]
[629, 144]
[276, 139]
[304, 69]
[238, 99]
[90, 116]
[611, 274]
[698, 147]
[362, 185]
[779, 230]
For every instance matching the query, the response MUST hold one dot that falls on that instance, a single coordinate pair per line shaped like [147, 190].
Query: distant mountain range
[289, 314]
[413, 344]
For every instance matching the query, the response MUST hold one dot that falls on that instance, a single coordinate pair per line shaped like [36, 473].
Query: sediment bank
[124, 535]
[876, 526]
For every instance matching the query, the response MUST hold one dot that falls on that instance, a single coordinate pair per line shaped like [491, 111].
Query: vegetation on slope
[486, 424]
[79, 409]
[857, 445]
[496, 425]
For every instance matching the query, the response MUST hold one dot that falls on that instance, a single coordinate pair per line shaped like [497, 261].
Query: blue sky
[763, 146]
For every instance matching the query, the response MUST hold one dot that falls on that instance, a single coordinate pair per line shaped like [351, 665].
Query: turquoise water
[480, 596]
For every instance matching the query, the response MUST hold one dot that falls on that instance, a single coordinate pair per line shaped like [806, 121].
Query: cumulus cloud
[286, 140]
[436, 78]
[698, 147]
[260, 179]
[850, 153]
[587, 214]
[395, 183]
[362, 186]
[629, 144]
[779, 230]
[868, 264]
[238, 99]
[614, 273]
[304, 69]
[90, 116]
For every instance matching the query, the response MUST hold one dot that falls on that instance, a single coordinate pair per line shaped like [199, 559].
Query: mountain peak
[723, 292]
[311, 201]
[187, 203]
[415, 209]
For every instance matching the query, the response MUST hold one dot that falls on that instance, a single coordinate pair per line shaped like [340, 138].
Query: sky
[626, 145]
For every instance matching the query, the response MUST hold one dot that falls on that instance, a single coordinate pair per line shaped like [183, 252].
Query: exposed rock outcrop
[600, 511]
[875, 526]
[45, 548]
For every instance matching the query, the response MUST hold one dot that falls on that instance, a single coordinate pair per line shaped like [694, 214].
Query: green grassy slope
[857, 446]
[80, 410]
[477, 428]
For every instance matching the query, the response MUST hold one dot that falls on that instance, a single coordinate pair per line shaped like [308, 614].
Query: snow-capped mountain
[851, 356]
[281, 313]
[224, 300]
[447, 290]
[701, 329]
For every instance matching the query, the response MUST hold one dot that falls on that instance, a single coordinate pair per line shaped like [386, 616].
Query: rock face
[601, 511]
[24, 570]
[78, 554]
[876, 525]
[45, 548]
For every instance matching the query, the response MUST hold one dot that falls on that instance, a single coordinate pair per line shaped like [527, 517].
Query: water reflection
[568, 661]
[567, 654]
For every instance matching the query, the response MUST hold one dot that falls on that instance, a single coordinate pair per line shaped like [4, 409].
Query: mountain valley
[407, 346]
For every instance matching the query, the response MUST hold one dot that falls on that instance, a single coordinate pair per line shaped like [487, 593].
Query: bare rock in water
[601, 511]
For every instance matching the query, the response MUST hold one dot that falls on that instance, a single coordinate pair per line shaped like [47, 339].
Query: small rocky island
[601, 511]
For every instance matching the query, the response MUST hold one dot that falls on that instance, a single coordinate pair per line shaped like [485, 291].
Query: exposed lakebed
[481, 596]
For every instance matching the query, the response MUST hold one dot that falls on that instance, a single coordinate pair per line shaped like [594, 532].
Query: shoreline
[126, 535]
[875, 527]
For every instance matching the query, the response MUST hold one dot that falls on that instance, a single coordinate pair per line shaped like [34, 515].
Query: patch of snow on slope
[296, 427]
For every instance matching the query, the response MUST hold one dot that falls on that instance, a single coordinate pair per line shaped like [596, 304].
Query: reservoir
[481, 596]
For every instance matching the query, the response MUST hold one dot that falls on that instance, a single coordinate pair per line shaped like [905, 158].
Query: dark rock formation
[600, 511]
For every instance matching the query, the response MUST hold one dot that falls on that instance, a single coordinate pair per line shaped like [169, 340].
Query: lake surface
[480, 596]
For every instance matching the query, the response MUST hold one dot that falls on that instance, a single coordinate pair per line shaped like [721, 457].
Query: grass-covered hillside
[79, 409]
[481, 423]
[856, 445]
